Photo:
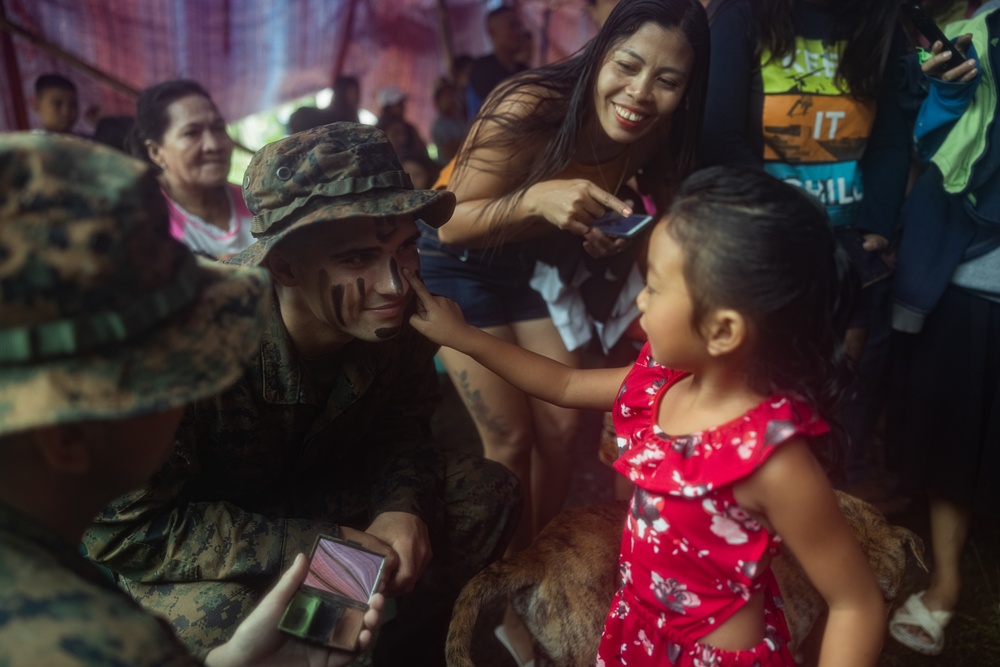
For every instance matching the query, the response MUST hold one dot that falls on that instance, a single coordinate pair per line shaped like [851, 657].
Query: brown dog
[885, 546]
[561, 585]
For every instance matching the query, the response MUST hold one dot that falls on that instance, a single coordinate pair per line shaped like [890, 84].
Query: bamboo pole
[62, 54]
[447, 38]
[345, 42]
[12, 29]
[14, 76]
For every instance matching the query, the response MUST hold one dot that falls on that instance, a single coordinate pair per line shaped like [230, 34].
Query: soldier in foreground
[108, 327]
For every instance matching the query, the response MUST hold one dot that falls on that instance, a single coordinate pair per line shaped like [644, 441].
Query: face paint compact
[330, 605]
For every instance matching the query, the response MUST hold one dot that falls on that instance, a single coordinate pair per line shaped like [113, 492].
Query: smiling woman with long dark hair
[550, 152]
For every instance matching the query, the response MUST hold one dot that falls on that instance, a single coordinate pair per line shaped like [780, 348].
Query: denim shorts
[491, 286]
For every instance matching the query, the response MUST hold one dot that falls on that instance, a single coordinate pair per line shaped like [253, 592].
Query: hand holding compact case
[330, 606]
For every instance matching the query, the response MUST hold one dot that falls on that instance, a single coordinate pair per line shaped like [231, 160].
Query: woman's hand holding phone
[936, 65]
[948, 61]
[572, 205]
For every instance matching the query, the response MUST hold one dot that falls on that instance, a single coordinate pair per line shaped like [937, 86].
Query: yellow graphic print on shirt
[814, 131]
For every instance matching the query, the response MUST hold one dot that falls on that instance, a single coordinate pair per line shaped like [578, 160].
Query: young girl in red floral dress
[745, 306]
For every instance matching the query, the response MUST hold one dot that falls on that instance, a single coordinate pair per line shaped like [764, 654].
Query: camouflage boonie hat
[328, 173]
[103, 315]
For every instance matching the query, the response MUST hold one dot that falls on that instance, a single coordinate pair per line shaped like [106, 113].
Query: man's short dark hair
[344, 82]
[47, 81]
[499, 11]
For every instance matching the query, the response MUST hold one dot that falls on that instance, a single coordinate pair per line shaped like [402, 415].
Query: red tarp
[254, 54]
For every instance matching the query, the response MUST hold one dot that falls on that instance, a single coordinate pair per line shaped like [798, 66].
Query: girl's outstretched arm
[792, 492]
[441, 320]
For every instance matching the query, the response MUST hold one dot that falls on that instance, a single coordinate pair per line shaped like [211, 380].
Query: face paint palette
[330, 605]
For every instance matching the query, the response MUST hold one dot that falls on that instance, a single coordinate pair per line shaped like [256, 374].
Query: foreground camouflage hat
[329, 173]
[102, 313]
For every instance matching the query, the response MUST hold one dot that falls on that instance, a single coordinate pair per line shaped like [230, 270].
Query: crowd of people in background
[498, 206]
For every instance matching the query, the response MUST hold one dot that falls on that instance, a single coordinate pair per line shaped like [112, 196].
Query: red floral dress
[690, 555]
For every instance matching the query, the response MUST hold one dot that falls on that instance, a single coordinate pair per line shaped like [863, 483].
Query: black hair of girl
[865, 25]
[151, 117]
[764, 248]
[567, 103]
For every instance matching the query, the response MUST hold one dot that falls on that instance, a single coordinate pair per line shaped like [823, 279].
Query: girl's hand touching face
[963, 73]
[437, 317]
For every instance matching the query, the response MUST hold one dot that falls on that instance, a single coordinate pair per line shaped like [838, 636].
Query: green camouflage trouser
[482, 502]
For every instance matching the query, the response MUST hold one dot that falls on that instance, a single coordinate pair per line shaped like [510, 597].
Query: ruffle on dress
[694, 464]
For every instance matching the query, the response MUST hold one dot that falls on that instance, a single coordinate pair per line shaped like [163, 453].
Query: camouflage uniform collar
[286, 383]
[17, 526]
[280, 370]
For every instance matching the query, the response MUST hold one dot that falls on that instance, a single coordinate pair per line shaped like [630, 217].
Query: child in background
[745, 308]
[943, 422]
[56, 103]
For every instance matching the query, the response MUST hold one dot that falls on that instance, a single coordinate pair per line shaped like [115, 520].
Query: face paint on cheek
[327, 305]
[397, 282]
[361, 289]
[388, 332]
[337, 293]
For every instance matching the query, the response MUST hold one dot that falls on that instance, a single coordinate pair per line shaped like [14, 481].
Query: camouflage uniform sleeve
[409, 470]
[156, 535]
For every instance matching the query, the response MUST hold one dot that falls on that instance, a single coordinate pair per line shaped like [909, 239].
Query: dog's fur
[561, 585]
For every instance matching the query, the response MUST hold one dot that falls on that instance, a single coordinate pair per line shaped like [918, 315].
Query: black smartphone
[330, 605]
[871, 266]
[615, 224]
[925, 25]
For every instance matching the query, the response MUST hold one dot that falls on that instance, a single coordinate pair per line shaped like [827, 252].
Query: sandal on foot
[915, 614]
[501, 634]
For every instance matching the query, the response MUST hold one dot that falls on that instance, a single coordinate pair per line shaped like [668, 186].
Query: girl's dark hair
[865, 25]
[151, 118]
[765, 248]
[566, 105]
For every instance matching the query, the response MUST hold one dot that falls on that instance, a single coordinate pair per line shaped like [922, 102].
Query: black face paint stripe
[387, 332]
[325, 281]
[338, 303]
[397, 282]
[361, 289]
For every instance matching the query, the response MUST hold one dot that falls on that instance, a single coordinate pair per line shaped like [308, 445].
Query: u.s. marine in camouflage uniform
[108, 327]
[331, 424]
